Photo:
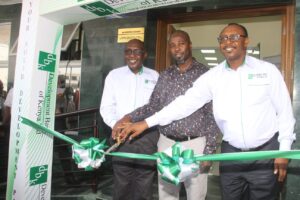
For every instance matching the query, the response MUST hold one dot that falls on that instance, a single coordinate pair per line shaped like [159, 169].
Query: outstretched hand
[133, 130]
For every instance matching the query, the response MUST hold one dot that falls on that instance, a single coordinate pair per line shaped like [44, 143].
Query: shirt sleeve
[281, 100]
[108, 102]
[184, 105]
[153, 106]
[212, 130]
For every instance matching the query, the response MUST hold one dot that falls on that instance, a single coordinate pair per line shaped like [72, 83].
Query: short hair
[182, 33]
[137, 41]
[241, 26]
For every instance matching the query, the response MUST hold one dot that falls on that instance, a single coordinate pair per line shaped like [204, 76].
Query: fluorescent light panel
[255, 52]
[212, 64]
[210, 58]
[208, 51]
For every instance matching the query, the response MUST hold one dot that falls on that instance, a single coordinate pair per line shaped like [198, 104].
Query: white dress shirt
[250, 104]
[125, 91]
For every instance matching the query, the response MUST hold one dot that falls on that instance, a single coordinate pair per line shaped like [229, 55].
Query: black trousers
[249, 180]
[133, 178]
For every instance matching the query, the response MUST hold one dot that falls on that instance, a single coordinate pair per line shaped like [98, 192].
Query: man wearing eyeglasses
[127, 88]
[252, 108]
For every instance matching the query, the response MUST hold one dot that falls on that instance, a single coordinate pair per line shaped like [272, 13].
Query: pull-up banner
[38, 55]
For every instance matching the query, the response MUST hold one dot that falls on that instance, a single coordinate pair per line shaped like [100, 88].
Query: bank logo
[99, 8]
[38, 175]
[47, 61]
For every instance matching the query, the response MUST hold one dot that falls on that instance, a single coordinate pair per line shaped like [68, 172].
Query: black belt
[255, 148]
[182, 139]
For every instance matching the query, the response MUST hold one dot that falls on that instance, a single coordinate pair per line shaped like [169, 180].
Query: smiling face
[234, 47]
[135, 55]
[180, 48]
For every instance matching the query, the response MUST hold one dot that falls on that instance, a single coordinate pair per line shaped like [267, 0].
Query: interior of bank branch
[91, 49]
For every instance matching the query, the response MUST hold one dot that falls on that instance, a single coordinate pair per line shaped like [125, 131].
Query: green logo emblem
[250, 76]
[38, 175]
[47, 61]
[99, 8]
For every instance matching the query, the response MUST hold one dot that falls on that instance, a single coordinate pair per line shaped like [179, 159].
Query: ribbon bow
[89, 153]
[176, 165]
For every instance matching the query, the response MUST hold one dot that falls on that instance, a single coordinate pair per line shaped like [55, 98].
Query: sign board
[126, 34]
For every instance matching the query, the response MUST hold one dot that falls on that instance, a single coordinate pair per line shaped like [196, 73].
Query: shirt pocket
[148, 88]
[257, 91]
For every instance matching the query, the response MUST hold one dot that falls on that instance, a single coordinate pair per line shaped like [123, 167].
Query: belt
[186, 138]
[255, 148]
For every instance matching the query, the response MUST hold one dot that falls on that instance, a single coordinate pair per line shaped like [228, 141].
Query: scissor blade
[112, 148]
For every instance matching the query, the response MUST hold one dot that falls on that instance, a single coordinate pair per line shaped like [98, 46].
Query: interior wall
[269, 38]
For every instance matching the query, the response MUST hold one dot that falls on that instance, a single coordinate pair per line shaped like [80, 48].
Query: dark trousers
[249, 180]
[133, 178]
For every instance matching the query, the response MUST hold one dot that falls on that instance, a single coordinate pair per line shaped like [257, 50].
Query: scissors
[115, 146]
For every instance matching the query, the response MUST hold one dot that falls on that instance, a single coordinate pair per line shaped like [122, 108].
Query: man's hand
[280, 166]
[205, 166]
[133, 130]
[120, 125]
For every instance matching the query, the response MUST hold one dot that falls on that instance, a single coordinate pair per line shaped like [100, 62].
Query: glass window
[5, 29]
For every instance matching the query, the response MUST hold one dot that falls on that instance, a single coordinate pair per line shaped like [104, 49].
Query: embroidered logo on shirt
[150, 81]
[257, 76]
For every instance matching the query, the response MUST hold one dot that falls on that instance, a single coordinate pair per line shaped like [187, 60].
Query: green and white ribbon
[89, 154]
[175, 164]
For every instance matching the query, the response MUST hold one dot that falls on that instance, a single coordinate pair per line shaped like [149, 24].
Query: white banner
[30, 153]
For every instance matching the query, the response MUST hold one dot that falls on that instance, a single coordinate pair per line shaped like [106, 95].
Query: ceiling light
[249, 51]
[208, 51]
[210, 58]
[255, 52]
[212, 64]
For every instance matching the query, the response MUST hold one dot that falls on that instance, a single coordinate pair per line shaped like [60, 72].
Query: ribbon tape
[175, 164]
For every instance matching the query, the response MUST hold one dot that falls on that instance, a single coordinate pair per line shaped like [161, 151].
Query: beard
[179, 60]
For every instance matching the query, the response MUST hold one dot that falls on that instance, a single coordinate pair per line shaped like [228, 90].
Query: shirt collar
[246, 63]
[140, 72]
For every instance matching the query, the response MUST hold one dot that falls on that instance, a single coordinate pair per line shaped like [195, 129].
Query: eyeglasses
[136, 52]
[231, 38]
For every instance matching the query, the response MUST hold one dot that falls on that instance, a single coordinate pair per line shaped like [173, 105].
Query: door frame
[287, 35]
